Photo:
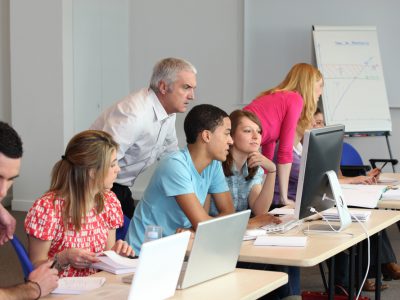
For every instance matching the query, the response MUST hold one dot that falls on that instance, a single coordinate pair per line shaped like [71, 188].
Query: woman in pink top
[282, 109]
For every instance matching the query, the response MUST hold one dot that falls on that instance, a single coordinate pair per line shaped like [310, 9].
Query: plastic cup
[152, 232]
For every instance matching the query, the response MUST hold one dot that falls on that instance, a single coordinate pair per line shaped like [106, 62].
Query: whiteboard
[278, 34]
[354, 86]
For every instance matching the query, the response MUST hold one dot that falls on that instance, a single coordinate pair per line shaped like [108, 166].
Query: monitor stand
[344, 215]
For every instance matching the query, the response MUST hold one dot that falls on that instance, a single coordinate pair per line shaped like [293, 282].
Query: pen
[383, 165]
[53, 264]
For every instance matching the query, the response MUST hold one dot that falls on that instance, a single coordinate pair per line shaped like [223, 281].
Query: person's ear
[92, 174]
[206, 136]
[163, 87]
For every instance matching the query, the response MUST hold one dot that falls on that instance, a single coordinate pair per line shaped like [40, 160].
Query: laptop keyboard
[286, 225]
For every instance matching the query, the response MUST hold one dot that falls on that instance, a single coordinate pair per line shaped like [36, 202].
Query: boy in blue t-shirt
[177, 191]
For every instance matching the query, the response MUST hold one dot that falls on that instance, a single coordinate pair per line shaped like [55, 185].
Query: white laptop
[215, 249]
[160, 264]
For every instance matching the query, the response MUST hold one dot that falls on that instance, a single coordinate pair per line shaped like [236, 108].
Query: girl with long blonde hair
[77, 218]
[282, 109]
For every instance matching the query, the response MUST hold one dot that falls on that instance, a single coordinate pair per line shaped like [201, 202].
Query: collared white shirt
[143, 130]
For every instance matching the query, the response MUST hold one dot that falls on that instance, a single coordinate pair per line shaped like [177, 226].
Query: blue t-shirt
[175, 175]
[240, 188]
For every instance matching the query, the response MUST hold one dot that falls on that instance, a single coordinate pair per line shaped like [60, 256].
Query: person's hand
[78, 258]
[288, 203]
[180, 229]
[46, 277]
[362, 180]
[122, 248]
[374, 173]
[262, 220]
[7, 225]
[257, 159]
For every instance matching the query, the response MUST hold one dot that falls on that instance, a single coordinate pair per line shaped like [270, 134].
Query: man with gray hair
[143, 123]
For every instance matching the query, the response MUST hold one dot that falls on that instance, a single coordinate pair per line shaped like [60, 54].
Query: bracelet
[272, 171]
[38, 286]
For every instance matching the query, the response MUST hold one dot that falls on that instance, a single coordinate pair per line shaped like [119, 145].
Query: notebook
[356, 214]
[215, 249]
[282, 241]
[159, 266]
[115, 263]
[78, 285]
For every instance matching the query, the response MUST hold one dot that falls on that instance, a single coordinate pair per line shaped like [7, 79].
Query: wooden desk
[319, 246]
[390, 204]
[240, 284]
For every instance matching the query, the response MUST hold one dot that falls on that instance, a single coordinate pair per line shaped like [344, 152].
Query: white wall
[208, 33]
[5, 93]
[36, 41]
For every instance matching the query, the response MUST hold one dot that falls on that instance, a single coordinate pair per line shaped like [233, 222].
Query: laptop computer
[160, 264]
[215, 249]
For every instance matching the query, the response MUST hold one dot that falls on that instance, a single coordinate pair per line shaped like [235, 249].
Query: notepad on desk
[282, 241]
[362, 195]
[391, 194]
[115, 263]
[361, 214]
[78, 285]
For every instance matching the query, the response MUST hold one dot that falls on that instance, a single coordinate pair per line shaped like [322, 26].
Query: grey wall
[208, 33]
[5, 93]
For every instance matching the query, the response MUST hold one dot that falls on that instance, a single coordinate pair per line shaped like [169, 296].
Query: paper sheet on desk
[362, 195]
[387, 180]
[109, 291]
[78, 285]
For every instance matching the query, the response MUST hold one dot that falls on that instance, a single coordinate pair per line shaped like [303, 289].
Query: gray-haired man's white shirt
[143, 130]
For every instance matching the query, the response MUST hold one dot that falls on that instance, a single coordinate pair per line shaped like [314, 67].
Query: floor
[11, 272]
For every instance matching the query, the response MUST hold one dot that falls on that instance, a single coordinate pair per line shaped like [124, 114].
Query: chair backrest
[121, 232]
[26, 263]
[350, 156]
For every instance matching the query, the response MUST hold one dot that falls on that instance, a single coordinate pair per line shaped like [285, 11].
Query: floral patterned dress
[44, 221]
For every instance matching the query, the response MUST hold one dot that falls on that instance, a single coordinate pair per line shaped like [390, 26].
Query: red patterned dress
[44, 222]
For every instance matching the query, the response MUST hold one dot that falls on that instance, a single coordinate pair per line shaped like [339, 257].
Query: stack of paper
[78, 285]
[115, 263]
[283, 241]
[361, 214]
[362, 195]
[391, 194]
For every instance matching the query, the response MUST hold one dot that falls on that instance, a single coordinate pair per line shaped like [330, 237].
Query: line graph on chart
[343, 77]
[354, 91]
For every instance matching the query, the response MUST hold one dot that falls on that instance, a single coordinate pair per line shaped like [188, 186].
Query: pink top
[44, 222]
[279, 113]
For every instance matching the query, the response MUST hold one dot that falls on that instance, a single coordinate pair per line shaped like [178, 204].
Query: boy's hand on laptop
[122, 248]
[179, 230]
[262, 220]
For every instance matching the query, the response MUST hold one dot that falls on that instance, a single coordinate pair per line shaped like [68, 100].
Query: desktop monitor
[317, 187]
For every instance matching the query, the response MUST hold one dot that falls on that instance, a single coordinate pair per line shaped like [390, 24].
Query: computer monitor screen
[322, 150]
